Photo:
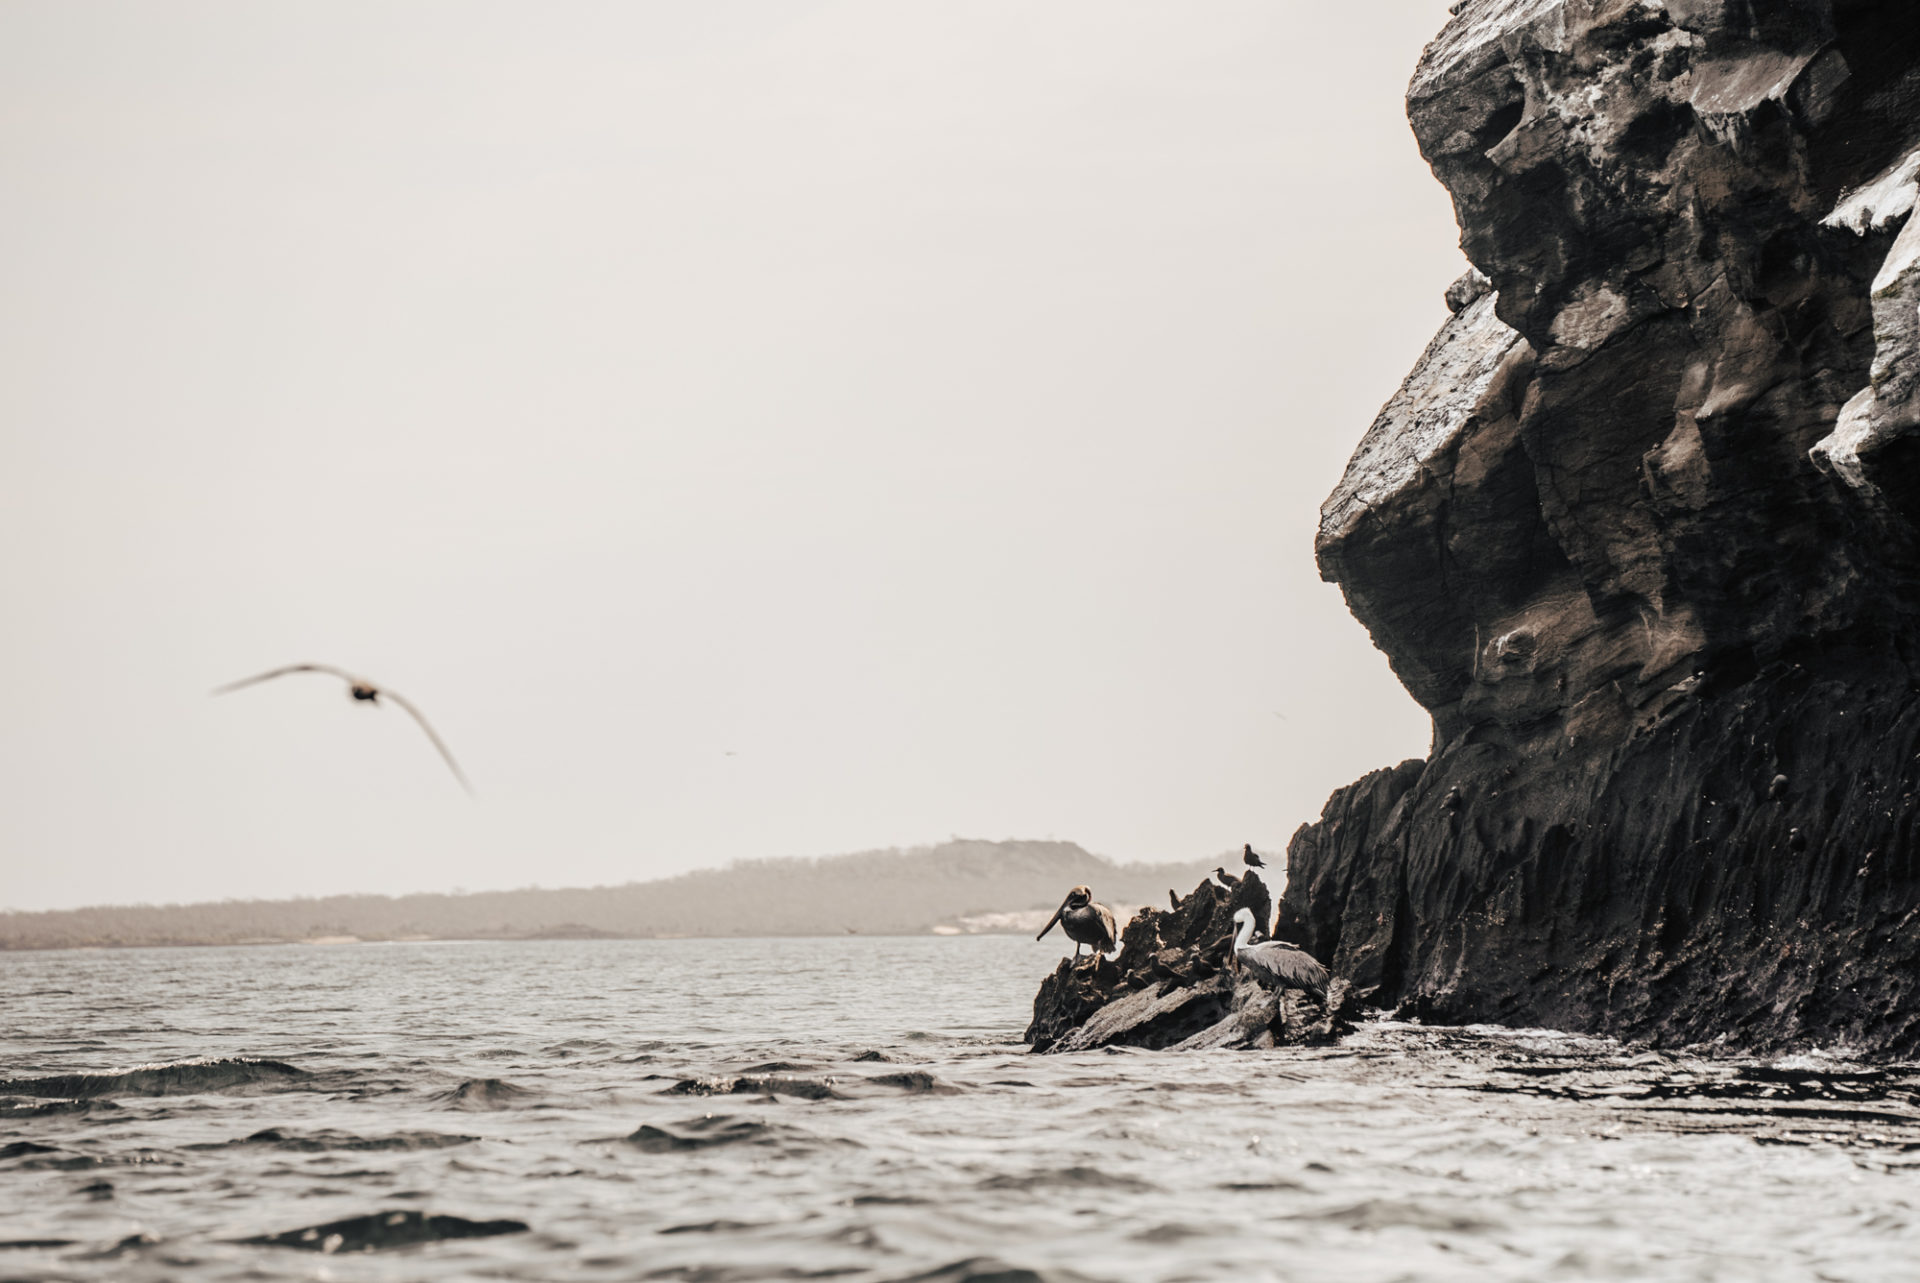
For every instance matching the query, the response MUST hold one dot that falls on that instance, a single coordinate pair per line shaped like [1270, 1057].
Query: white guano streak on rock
[1875, 206]
[1473, 41]
[1884, 409]
[1433, 406]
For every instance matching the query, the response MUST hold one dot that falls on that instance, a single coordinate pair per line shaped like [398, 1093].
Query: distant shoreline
[335, 942]
[959, 888]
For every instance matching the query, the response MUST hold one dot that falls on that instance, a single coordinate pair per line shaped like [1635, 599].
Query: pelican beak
[1055, 918]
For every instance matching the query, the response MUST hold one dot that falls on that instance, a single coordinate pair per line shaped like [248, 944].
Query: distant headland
[955, 888]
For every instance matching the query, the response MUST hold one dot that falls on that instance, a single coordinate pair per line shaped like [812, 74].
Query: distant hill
[956, 887]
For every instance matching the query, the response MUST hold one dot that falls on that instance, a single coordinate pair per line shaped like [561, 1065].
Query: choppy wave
[175, 1078]
[1075, 1177]
[989, 1269]
[858, 1110]
[328, 1139]
[485, 1094]
[42, 1108]
[710, 1131]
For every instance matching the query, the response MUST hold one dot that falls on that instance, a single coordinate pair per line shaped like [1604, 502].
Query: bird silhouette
[1085, 921]
[1252, 857]
[361, 689]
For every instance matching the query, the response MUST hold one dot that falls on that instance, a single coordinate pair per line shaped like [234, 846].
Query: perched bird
[361, 689]
[1777, 787]
[1226, 879]
[1277, 964]
[1173, 897]
[1085, 922]
[1252, 857]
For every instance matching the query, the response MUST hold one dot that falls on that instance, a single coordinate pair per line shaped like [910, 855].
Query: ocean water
[861, 1109]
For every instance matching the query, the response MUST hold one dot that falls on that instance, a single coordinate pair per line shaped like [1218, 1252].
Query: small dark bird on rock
[1085, 922]
[1173, 898]
[1778, 788]
[1796, 840]
[1453, 801]
[361, 689]
[1252, 857]
[1226, 879]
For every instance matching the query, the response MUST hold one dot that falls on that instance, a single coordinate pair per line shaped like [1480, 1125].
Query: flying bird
[361, 689]
[1085, 922]
[1252, 857]
[1277, 964]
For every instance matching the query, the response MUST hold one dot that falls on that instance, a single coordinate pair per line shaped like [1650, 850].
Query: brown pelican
[361, 689]
[1277, 964]
[1252, 857]
[1084, 922]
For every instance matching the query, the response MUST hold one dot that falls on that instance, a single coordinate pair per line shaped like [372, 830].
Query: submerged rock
[1168, 986]
[383, 1230]
[756, 1085]
[1639, 531]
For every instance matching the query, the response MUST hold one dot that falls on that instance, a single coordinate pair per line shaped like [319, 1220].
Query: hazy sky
[928, 404]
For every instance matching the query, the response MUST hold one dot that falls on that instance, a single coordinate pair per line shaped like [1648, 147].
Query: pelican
[1084, 922]
[361, 689]
[1252, 857]
[1276, 964]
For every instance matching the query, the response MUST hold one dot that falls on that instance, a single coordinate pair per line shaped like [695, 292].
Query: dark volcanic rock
[384, 1230]
[1639, 533]
[1168, 986]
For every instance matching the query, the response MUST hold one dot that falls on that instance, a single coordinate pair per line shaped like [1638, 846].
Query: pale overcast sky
[746, 429]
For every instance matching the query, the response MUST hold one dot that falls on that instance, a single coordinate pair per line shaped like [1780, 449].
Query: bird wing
[1106, 924]
[427, 726]
[1286, 966]
[268, 676]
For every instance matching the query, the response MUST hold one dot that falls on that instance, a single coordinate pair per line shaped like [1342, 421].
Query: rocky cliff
[1639, 530]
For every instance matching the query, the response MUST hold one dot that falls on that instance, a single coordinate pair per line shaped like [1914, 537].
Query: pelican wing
[1282, 966]
[268, 676]
[427, 726]
[1105, 915]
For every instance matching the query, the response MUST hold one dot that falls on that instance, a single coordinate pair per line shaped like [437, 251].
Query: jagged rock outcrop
[1168, 986]
[1640, 532]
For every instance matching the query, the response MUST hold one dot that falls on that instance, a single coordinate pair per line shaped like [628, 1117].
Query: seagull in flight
[361, 689]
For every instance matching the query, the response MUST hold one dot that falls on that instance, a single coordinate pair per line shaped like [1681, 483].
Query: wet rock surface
[1639, 532]
[1169, 985]
[383, 1230]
